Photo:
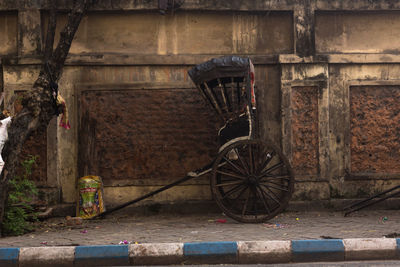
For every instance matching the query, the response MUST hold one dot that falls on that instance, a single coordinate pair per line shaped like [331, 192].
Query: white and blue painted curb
[205, 252]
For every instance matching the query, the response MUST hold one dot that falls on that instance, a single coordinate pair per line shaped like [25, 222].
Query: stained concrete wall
[187, 32]
[357, 32]
[310, 56]
[8, 32]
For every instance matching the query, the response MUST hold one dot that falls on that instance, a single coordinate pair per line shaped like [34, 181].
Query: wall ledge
[353, 58]
[115, 59]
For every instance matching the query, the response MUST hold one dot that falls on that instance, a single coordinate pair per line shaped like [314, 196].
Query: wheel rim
[252, 181]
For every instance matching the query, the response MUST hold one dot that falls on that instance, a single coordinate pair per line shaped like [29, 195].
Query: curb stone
[46, 256]
[317, 250]
[261, 252]
[210, 252]
[156, 253]
[371, 248]
[253, 252]
[101, 255]
[9, 256]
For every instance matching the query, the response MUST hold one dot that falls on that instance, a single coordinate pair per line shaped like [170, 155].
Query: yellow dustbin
[90, 200]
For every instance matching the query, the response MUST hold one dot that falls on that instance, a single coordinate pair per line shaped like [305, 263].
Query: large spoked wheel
[252, 181]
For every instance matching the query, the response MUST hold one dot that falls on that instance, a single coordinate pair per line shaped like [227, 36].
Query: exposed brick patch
[304, 105]
[35, 145]
[375, 129]
[145, 134]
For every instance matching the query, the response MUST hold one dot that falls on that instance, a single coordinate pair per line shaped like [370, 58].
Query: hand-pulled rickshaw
[251, 179]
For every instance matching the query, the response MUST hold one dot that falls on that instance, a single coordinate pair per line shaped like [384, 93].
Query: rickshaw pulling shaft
[189, 176]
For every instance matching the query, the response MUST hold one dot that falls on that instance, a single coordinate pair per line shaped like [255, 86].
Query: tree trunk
[38, 108]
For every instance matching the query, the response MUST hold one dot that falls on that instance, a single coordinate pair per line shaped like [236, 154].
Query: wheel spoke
[272, 192]
[245, 203]
[255, 201]
[232, 175]
[235, 166]
[266, 162]
[273, 197]
[275, 187]
[276, 166]
[229, 183]
[251, 160]
[261, 193]
[239, 195]
[271, 177]
[233, 190]
[242, 162]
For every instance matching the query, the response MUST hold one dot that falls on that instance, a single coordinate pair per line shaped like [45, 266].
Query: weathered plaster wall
[310, 58]
[183, 33]
[346, 90]
[305, 130]
[343, 80]
[268, 95]
[82, 80]
[8, 33]
[29, 32]
[357, 32]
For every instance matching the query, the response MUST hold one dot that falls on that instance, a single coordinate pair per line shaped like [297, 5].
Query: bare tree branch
[37, 103]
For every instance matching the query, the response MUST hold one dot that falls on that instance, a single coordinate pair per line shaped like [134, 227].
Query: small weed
[18, 211]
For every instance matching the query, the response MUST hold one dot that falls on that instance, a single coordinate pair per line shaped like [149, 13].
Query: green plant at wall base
[19, 211]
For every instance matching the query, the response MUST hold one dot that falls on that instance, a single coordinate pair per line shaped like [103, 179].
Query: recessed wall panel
[304, 122]
[375, 129]
[357, 32]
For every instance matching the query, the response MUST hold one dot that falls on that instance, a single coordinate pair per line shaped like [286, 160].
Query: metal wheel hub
[252, 180]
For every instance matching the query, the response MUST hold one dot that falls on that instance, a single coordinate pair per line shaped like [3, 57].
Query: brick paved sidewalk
[196, 228]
